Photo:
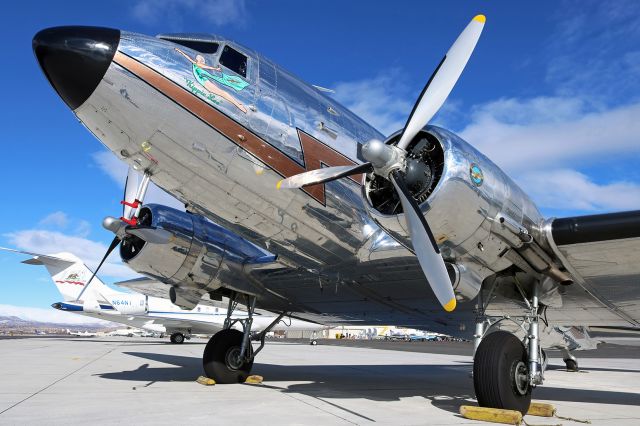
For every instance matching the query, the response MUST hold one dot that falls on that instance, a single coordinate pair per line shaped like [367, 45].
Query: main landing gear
[177, 338]
[229, 355]
[506, 369]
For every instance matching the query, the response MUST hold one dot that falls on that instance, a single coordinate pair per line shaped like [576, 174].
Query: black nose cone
[75, 59]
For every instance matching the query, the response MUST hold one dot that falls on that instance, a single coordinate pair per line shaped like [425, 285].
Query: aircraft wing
[602, 253]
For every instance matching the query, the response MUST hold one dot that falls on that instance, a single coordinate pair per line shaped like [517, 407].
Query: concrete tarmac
[143, 381]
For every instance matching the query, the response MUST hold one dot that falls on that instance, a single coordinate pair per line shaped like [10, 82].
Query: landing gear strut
[229, 354]
[505, 369]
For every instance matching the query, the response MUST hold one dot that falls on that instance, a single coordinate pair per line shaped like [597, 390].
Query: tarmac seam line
[60, 379]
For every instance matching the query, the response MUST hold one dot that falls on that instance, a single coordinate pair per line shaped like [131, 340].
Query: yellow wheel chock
[494, 415]
[254, 379]
[205, 381]
[512, 417]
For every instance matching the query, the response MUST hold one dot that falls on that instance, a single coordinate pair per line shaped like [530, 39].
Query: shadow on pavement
[447, 386]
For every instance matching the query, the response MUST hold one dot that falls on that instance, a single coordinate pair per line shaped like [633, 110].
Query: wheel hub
[233, 359]
[520, 377]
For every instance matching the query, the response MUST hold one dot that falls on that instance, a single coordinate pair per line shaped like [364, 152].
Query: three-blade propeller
[389, 161]
[132, 194]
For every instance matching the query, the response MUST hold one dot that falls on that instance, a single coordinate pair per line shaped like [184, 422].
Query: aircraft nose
[75, 59]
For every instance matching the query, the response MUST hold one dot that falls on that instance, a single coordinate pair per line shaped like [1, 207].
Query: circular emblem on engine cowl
[476, 174]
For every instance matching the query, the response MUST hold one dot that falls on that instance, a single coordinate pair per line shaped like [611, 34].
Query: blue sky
[552, 94]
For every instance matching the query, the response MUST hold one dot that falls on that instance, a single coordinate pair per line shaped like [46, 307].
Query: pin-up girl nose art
[207, 79]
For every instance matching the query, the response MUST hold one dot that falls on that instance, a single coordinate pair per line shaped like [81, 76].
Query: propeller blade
[151, 235]
[442, 80]
[112, 246]
[130, 192]
[424, 246]
[326, 174]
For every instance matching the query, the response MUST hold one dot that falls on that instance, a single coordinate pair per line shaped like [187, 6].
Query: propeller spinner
[389, 161]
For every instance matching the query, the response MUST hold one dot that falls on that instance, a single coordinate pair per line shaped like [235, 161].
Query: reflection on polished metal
[75, 59]
[337, 251]
[217, 178]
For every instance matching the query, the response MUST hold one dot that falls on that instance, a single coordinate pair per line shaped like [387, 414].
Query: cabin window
[200, 46]
[234, 60]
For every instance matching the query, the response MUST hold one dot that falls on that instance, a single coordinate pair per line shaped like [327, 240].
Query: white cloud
[112, 166]
[82, 229]
[49, 315]
[568, 189]
[382, 101]
[58, 219]
[589, 51]
[91, 252]
[174, 12]
[117, 171]
[385, 101]
[546, 132]
[541, 141]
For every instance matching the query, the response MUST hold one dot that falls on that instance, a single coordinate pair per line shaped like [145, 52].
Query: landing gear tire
[177, 338]
[501, 373]
[221, 358]
[571, 364]
[313, 342]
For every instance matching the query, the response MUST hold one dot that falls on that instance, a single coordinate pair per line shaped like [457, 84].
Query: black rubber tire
[215, 355]
[571, 364]
[313, 342]
[493, 371]
[177, 338]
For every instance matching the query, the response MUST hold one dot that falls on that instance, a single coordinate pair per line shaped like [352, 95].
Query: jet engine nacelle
[130, 304]
[91, 307]
[460, 192]
[186, 251]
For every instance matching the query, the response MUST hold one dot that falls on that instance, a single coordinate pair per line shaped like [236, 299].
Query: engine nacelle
[460, 192]
[130, 304]
[189, 253]
[91, 307]
[185, 298]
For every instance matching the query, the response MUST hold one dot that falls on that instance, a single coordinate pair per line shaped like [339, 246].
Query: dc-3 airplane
[141, 309]
[397, 229]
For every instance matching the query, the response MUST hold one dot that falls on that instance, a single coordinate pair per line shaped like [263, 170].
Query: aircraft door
[271, 118]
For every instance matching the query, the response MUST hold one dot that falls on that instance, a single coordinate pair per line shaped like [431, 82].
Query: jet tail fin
[69, 274]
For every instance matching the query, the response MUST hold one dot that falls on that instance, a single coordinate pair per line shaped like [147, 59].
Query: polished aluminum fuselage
[337, 259]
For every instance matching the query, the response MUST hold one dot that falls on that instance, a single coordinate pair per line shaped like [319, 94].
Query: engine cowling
[191, 258]
[91, 307]
[130, 304]
[460, 192]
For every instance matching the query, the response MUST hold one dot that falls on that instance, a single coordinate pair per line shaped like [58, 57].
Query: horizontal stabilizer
[41, 259]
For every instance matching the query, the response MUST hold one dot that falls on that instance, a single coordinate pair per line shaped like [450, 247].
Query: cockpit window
[200, 46]
[234, 60]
